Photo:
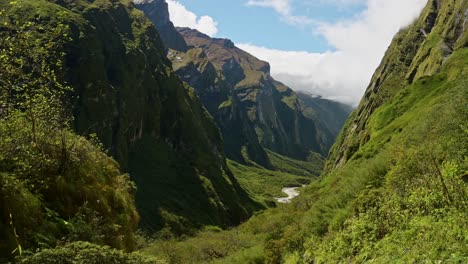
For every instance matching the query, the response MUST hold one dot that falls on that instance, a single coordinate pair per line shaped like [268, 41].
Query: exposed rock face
[153, 124]
[157, 11]
[416, 52]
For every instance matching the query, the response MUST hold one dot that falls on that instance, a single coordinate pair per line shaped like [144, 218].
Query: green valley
[127, 139]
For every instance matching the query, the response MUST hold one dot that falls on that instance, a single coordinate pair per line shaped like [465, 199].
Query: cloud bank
[360, 44]
[182, 17]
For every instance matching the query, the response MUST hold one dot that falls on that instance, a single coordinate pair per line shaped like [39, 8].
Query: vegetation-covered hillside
[99, 67]
[99, 135]
[395, 189]
[55, 187]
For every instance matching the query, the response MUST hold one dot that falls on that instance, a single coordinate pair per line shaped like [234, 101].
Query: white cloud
[182, 17]
[360, 45]
[284, 8]
[281, 6]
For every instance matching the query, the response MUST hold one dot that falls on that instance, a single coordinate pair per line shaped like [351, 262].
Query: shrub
[84, 253]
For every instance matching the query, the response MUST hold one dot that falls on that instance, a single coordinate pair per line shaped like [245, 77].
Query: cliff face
[415, 53]
[252, 109]
[157, 12]
[125, 92]
[396, 178]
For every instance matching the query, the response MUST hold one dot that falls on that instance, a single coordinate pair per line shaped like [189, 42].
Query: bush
[84, 253]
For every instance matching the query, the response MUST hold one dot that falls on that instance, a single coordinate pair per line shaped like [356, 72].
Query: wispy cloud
[281, 6]
[284, 8]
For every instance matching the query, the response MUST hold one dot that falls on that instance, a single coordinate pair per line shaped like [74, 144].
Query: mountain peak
[191, 33]
[158, 12]
[225, 55]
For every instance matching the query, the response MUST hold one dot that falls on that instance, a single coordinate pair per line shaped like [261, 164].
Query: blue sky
[264, 27]
[325, 47]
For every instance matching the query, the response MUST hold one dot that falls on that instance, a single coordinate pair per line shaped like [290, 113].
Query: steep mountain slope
[395, 188]
[328, 113]
[237, 88]
[417, 52]
[125, 91]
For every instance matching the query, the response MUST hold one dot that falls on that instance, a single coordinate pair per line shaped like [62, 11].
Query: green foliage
[206, 247]
[83, 252]
[49, 187]
[265, 185]
[310, 168]
[55, 186]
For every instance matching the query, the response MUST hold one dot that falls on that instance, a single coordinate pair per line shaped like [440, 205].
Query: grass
[264, 185]
[310, 168]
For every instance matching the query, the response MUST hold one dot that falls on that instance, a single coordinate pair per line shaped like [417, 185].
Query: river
[292, 192]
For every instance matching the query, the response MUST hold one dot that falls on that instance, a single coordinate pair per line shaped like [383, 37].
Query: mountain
[122, 88]
[394, 187]
[416, 53]
[403, 151]
[254, 111]
[250, 107]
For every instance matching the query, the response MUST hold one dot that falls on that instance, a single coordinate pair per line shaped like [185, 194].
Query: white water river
[292, 192]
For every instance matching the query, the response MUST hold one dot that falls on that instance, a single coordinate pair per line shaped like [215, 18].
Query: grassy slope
[310, 168]
[264, 184]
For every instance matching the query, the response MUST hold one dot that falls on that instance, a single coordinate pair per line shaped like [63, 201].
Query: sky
[325, 47]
